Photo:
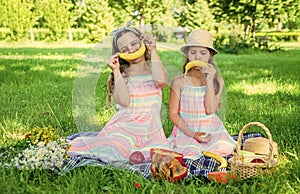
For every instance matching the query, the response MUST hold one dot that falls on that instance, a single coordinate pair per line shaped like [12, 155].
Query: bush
[4, 33]
[79, 34]
[281, 36]
[41, 33]
[229, 43]
[235, 44]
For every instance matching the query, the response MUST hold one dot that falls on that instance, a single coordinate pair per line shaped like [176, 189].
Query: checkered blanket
[201, 166]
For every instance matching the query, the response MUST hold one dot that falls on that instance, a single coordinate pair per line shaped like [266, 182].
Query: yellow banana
[135, 55]
[193, 64]
[223, 162]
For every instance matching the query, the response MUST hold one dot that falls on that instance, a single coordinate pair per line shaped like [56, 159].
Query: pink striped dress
[193, 113]
[134, 128]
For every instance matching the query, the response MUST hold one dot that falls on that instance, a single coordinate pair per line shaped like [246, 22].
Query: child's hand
[209, 71]
[113, 62]
[149, 41]
[202, 137]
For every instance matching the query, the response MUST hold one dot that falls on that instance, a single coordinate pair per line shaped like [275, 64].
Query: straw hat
[200, 38]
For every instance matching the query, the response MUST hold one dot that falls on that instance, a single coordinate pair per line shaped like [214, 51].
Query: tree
[291, 14]
[197, 15]
[121, 15]
[57, 16]
[155, 12]
[99, 19]
[247, 12]
[18, 17]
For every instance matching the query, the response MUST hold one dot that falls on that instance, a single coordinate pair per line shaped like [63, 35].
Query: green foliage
[230, 43]
[159, 12]
[280, 36]
[18, 17]
[120, 15]
[57, 16]
[78, 10]
[79, 34]
[291, 14]
[236, 44]
[41, 34]
[249, 13]
[149, 11]
[99, 19]
[4, 33]
[197, 15]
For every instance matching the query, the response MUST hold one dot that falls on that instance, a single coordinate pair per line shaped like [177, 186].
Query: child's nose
[198, 56]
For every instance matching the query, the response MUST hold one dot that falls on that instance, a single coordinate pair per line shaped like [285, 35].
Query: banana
[223, 162]
[193, 64]
[135, 55]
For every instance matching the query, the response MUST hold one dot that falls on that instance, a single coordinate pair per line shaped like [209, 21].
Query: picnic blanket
[201, 166]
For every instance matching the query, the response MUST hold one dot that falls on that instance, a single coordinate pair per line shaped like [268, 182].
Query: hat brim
[189, 45]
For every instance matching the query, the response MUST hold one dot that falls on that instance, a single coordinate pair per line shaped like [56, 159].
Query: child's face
[129, 43]
[198, 53]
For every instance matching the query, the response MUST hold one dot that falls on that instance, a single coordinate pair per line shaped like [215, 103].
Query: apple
[257, 160]
[136, 157]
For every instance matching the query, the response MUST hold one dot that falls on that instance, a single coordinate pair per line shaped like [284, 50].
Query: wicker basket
[247, 166]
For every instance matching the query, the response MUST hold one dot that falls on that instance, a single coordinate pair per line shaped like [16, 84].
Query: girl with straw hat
[194, 99]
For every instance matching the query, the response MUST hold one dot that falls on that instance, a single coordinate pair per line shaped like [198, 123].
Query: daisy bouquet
[45, 150]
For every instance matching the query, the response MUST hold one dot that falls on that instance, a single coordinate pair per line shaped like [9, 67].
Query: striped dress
[192, 111]
[134, 128]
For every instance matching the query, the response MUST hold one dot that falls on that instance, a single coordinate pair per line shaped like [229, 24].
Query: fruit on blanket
[135, 55]
[223, 162]
[194, 64]
[221, 176]
[164, 152]
[174, 167]
[168, 165]
[257, 160]
[136, 157]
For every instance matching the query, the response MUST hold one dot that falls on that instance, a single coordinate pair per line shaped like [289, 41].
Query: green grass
[37, 86]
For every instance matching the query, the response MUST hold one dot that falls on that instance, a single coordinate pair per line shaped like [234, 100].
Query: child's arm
[121, 92]
[159, 73]
[174, 103]
[212, 100]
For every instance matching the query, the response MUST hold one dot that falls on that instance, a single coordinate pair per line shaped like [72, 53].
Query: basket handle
[239, 142]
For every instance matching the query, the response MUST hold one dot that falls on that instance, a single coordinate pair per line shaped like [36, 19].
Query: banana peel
[195, 63]
[135, 55]
[223, 162]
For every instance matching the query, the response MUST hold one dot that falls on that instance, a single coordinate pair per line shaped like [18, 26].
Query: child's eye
[135, 43]
[124, 50]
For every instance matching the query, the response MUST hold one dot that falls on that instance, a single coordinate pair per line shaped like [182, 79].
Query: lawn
[48, 85]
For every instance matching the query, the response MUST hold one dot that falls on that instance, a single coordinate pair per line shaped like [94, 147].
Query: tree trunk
[253, 28]
[247, 32]
[31, 34]
[279, 26]
[70, 35]
[142, 18]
